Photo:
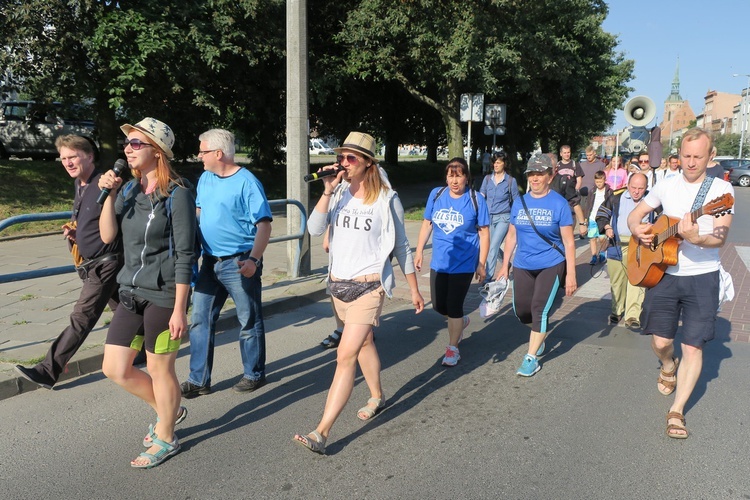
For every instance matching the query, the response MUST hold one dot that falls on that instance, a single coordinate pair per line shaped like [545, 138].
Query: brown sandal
[676, 427]
[669, 385]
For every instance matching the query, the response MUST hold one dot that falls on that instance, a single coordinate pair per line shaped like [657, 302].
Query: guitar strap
[702, 192]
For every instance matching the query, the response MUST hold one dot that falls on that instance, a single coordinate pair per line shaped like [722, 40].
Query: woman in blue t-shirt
[459, 248]
[540, 225]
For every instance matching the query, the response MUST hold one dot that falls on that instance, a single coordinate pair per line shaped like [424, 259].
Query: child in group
[593, 201]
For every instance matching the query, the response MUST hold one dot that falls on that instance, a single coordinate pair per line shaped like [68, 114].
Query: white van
[29, 129]
[318, 147]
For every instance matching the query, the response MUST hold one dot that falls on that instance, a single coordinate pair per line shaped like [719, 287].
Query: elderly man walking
[235, 225]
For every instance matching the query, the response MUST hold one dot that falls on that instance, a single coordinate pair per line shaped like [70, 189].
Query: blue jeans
[216, 281]
[498, 229]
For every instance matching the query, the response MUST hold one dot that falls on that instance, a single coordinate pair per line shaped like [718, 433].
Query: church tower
[677, 112]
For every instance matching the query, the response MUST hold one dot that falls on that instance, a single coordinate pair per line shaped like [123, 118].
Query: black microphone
[120, 165]
[324, 173]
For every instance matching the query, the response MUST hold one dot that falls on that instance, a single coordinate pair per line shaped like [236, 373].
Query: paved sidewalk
[34, 312]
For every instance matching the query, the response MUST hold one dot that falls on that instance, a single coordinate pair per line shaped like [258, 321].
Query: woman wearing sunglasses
[366, 225]
[155, 212]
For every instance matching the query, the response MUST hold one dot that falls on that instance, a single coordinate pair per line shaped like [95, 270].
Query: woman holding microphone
[156, 214]
[366, 224]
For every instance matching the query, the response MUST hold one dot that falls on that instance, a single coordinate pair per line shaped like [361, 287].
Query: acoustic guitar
[647, 264]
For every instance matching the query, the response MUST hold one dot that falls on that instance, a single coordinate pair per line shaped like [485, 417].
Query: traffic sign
[471, 107]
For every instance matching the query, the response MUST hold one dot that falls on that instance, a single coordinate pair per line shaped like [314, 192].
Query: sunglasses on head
[350, 158]
[136, 144]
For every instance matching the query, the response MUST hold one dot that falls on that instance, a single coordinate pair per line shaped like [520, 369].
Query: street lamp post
[743, 105]
[494, 119]
[471, 110]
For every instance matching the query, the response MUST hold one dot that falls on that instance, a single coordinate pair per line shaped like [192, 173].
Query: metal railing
[52, 271]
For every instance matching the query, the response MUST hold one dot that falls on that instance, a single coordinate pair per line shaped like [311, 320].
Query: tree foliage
[395, 68]
[549, 61]
[729, 145]
[190, 63]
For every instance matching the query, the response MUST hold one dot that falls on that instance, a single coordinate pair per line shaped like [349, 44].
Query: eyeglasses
[349, 158]
[201, 153]
[136, 144]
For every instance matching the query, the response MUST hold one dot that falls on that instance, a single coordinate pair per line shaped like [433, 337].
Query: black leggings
[448, 292]
[533, 294]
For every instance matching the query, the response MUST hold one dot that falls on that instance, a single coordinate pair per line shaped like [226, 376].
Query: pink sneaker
[451, 356]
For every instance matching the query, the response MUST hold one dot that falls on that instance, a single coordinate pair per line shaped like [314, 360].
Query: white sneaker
[451, 356]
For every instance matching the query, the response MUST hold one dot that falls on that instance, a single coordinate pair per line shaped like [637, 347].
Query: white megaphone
[639, 111]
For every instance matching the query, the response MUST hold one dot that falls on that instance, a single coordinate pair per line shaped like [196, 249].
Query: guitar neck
[672, 230]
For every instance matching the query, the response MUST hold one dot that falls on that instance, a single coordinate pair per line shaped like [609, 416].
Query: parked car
[29, 129]
[739, 171]
[318, 147]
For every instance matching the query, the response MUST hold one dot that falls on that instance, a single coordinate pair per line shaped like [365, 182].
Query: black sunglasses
[136, 144]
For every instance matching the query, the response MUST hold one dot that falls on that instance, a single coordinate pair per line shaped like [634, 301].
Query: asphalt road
[590, 424]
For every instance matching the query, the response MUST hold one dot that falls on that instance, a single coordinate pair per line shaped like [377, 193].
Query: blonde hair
[373, 183]
[696, 133]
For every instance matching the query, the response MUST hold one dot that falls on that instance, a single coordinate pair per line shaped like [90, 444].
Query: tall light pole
[297, 131]
[743, 104]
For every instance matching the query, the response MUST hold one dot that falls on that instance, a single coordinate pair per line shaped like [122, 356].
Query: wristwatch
[254, 260]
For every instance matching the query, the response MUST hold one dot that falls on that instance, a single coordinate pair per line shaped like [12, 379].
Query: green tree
[191, 63]
[728, 145]
[549, 61]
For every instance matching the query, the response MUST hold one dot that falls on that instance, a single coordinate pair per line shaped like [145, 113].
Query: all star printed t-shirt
[455, 241]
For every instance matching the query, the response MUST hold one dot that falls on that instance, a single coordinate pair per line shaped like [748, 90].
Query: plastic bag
[726, 286]
[493, 293]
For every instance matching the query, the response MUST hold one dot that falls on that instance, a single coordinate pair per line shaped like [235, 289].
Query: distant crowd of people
[137, 246]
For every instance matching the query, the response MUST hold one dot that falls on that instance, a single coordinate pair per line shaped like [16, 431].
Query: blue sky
[709, 37]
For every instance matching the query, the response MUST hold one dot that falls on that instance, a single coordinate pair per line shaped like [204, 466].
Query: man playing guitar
[689, 290]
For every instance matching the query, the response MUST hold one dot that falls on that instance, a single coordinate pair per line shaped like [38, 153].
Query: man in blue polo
[235, 223]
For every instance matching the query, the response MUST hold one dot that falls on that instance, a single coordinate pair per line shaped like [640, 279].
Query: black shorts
[694, 299]
[137, 322]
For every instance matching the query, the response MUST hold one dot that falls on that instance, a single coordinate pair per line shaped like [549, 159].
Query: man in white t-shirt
[689, 291]
[673, 169]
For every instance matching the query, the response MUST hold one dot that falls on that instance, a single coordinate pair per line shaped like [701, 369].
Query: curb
[90, 361]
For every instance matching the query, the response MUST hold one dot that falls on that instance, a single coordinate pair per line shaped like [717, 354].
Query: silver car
[28, 129]
[739, 171]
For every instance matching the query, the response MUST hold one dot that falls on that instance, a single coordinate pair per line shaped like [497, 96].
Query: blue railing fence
[52, 271]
